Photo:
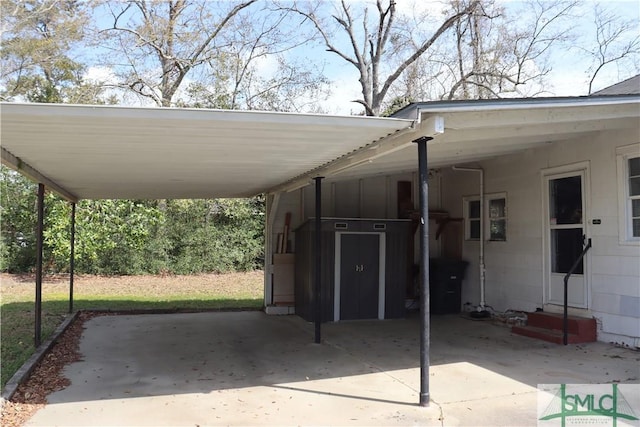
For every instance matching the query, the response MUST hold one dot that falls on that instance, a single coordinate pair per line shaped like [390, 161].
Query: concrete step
[548, 327]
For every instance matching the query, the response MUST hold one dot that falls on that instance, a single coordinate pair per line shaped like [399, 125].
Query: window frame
[625, 215]
[487, 226]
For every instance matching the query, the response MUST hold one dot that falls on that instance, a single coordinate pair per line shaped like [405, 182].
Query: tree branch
[426, 45]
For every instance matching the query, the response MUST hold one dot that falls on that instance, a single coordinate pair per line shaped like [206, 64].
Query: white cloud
[100, 74]
[344, 89]
[413, 7]
[266, 65]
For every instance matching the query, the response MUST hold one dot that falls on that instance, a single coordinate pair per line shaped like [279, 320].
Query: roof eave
[410, 111]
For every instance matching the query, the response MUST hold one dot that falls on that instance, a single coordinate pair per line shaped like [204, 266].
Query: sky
[567, 81]
[569, 64]
[567, 77]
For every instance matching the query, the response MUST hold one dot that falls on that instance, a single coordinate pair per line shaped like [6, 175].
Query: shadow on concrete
[337, 394]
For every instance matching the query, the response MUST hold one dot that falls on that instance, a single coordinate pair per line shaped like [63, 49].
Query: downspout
[482, 268]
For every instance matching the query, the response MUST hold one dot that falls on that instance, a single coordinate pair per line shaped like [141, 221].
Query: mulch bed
[47, 376]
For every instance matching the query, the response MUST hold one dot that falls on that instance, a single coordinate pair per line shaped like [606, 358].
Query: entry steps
[548, 327]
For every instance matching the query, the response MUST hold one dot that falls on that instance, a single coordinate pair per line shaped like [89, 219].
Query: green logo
[609, 403]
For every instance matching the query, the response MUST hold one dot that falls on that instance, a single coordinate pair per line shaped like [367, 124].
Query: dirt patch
[46, 377]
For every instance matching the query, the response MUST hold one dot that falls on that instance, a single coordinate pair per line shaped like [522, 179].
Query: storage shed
[365, 268]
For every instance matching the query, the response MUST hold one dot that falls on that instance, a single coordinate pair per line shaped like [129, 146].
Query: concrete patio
[247, 368]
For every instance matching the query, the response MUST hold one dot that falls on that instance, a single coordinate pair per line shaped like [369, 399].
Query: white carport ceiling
[119, 152]
[477, 130]
[97, 152]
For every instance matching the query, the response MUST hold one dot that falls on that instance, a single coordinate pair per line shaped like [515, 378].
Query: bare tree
[256, 70]
[286, 86]
[478, 49]
[160, 43]
[498, 54]
[378, 48]
[495, 51]
[617, 42]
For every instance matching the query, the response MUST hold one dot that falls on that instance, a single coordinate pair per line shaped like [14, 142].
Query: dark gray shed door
[359, 276]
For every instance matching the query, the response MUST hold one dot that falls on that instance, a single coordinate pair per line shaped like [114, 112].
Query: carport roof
[148, 153]
[475, 130]
[100, 152]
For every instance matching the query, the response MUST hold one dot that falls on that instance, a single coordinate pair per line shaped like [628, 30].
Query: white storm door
[565, 214]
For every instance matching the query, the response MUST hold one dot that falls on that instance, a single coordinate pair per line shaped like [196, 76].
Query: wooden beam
[16, 163]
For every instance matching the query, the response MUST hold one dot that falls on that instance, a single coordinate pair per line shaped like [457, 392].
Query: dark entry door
[359, 276]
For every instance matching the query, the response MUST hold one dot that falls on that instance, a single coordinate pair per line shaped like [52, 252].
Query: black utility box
[445, 285]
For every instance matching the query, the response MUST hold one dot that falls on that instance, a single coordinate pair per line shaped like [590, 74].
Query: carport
[96, 152]
[106, 152]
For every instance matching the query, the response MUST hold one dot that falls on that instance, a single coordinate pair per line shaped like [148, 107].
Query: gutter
[515, 104]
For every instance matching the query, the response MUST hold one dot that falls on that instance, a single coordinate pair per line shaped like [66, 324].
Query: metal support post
[424, 268]
[72, 260]
[318, 264]
[39, 231]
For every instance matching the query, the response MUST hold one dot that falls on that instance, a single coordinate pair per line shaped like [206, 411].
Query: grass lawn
[17, 293]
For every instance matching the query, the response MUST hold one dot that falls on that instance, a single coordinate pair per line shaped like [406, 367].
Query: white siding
[514, 268]
[514, 277]
[374, 191]
[370, 197]
[309, 200]
[347, 199]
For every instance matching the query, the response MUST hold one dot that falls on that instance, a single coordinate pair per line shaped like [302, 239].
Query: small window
[629, 193]
[473, 220]
[498, 219]
[495, 214]
[634, 195]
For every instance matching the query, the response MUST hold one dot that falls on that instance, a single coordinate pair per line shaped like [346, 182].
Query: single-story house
[516, 188]
[554, 173]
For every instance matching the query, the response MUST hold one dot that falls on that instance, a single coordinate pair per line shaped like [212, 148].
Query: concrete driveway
[247, 368]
